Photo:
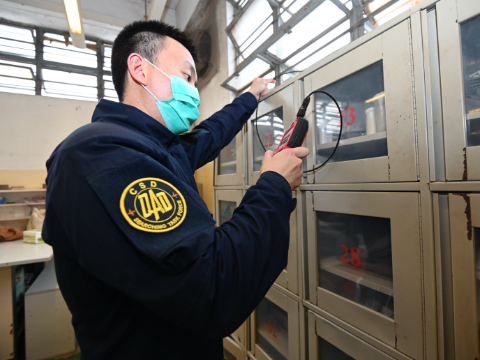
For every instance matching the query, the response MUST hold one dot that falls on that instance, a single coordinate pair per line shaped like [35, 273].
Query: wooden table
[14, 253]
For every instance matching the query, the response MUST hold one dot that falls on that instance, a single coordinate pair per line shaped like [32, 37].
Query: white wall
[31, 127]
[213, 98]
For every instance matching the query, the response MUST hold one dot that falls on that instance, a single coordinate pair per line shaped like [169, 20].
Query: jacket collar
[134, 119]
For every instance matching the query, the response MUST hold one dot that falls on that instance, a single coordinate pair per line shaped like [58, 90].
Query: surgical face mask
[181, 111]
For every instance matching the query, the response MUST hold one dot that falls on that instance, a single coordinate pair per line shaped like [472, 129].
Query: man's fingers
[269, 154]
[301, 152]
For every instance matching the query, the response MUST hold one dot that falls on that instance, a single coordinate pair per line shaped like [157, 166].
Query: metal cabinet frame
[404, 332]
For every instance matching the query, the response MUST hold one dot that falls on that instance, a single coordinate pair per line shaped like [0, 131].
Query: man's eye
[188, 77]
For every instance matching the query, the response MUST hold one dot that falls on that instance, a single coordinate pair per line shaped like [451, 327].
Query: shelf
[22, 191]
[23, 204]
[355, 140]
[473, 116]
[17, 218]
[229, 163]
[373, 281]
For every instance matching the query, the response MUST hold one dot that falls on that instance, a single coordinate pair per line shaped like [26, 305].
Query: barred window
[288, 36]
[37, 61]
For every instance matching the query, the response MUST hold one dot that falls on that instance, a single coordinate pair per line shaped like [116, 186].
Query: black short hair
[147, 39]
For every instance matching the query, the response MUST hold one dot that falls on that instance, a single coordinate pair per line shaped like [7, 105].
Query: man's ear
[136, 67]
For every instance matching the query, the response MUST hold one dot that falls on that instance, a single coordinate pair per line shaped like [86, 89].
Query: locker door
[373, 86]
[364, 263]
[275, 328]
[464, 218]
[229, 166]
[328, 341]
[275, 114]
[226, 201]
[289, 276]
[459, 51]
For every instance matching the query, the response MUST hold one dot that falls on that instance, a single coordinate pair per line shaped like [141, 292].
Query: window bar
[271, 23]
[317, 50]
[295, 19]
[322, 34]
[250, 84]
[38, 60]
[238, 14]
[259, 26]
[341, 6]
[100, 60]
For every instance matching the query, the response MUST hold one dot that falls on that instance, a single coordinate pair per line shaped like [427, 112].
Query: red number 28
[355, 260]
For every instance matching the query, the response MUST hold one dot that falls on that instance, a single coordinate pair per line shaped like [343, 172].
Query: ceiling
[101, 19]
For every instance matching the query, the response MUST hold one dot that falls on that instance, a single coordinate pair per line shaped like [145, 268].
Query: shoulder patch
[153, 205]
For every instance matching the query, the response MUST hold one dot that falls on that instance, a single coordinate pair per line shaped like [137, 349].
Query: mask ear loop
[150, 92]
[156, 68]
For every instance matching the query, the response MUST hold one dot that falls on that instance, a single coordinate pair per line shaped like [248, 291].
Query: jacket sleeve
[202, 278]
[204, 143]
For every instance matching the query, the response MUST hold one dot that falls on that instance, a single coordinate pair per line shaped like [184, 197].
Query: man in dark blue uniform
[140, 263]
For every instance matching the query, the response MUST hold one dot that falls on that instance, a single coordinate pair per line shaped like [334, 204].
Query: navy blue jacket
[175, 294]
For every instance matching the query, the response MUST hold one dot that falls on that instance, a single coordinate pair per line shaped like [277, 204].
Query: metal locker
[458, 24]
[275, 328]
[288, 279]
[229, 165]
[226, 201]
[328, 341]
[462, 239]
[275, 114]
[364, 263]
[373, 85]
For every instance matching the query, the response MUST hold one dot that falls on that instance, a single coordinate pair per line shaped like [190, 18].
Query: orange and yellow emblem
[153, 205]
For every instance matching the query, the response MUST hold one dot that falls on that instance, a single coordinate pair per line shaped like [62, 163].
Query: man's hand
[259, 87]
[287, 163]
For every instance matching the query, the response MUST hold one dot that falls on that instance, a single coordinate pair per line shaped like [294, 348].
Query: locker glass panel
[228, 356]
[355, 259]
[226, 210]
[471, 77]
[327, 351]
[270, 131]
[361, 97]
[228, 159]
[272, 330]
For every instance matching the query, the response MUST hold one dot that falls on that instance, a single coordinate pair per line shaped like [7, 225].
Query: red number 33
[351, 115]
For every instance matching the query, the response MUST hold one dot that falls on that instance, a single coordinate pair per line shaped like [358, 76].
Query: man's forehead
[177, 50]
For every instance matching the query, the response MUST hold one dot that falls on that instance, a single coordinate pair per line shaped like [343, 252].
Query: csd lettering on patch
[153, 205]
